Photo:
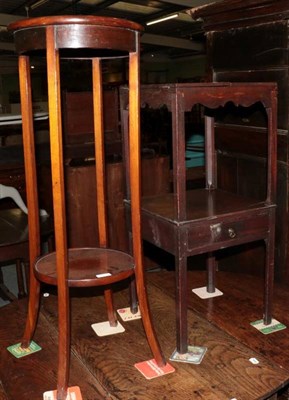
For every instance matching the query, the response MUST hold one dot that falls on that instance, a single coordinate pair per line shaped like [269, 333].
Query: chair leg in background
[20, 279]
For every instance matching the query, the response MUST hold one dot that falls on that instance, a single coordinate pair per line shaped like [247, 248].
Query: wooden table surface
[104, 366]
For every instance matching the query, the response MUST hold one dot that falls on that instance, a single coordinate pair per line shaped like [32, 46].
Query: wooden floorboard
[104, 366]
[241, 303]
[29, 377]
[3, 395]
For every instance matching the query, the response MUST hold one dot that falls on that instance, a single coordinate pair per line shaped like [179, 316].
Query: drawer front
[219, 233]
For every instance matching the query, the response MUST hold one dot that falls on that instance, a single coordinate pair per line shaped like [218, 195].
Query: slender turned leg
[20, 279]
[269, 273]
[32, 198]
[147, 320]
[63, 341]
[181, 303]
[134, 178]
[108, 296]
[58, 190]
[211, 273]
[100, 175]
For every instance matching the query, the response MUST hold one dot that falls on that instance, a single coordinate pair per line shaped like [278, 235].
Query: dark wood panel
[282, 223]
[264, 45]
[155, 176]
[248, 140]
[232, 168]
[243, 175]
[227, 172]
[81, 199]
[78, 116]
[240, 13]
[116, 218]
[247, 177]
[82, 217]
[252, 178]
[265, 75]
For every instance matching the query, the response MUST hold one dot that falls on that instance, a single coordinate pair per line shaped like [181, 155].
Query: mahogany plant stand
[94, 38]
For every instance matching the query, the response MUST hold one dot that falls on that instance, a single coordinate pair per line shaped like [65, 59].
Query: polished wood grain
[40, 369]
[3, 396]
[85, 264]
[77, 20]
[239, 305]
[103, 367]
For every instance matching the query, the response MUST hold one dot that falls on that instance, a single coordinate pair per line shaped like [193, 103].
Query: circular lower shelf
[87, 267]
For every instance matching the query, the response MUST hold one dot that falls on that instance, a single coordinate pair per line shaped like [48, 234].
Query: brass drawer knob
[232, 233]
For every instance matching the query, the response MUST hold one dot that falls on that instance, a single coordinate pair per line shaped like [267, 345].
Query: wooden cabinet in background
[248, 41]
[81, 199]
[78, 116]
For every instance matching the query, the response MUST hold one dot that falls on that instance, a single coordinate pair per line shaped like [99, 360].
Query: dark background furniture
[79, 168]
[82, 229]
[14, 247]
[13, 222]
[247, 41]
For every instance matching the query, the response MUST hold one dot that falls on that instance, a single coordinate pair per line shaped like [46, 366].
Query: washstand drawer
[237, 229]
